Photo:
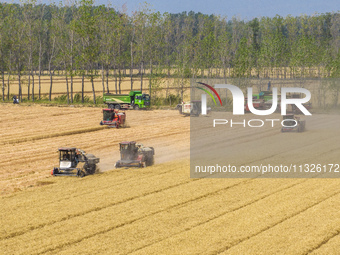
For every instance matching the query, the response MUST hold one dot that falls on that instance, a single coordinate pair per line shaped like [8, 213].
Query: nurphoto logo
[239, 101]
[239, 105]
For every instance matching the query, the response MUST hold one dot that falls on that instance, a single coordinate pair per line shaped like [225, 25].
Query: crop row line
[277, 223]
[221, 214]
[326, 240]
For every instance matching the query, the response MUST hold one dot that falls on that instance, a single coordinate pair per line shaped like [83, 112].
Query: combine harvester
[75, 162]
[135, 155]
[293, 124]
[113, 118]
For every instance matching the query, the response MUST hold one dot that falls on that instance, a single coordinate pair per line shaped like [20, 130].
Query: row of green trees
[90, 41]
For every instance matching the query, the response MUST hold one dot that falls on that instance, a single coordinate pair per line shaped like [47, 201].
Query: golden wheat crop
[161, 211]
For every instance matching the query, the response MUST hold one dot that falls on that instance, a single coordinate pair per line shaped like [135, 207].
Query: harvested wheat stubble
[39, 131]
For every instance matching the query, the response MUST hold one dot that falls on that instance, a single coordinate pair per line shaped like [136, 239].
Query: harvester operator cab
[67, 158]
[128, 150]
[108, 114]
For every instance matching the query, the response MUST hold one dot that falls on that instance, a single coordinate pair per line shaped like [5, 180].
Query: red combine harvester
[113, 118]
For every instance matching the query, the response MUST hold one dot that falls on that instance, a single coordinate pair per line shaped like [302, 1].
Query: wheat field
[159, 209]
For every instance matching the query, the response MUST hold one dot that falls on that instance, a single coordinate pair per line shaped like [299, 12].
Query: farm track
[159, 209]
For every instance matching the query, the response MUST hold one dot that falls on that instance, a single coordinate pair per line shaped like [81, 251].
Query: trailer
[135, 100]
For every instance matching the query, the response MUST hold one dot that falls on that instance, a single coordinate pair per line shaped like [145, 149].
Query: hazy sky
[245, 9]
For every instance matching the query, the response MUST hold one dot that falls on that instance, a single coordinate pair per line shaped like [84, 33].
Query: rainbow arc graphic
[209, 93]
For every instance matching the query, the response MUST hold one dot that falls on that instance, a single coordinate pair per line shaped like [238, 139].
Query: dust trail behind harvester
[107, 160]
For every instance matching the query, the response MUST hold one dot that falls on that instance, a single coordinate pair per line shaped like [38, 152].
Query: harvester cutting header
[113, 118]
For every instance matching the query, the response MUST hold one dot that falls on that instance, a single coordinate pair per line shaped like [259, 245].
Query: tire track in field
[219, 251]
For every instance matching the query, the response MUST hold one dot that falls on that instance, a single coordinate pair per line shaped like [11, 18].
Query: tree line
[92, 41]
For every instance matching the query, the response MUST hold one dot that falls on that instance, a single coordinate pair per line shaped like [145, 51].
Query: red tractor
[113, 118]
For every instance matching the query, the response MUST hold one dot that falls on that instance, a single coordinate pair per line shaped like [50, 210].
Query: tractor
[113, 118]
[75, 162]
[293, 124]
[133, 154]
